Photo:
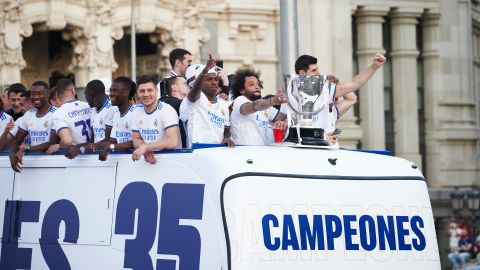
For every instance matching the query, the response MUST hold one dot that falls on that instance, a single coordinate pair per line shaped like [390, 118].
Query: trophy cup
[307, 98]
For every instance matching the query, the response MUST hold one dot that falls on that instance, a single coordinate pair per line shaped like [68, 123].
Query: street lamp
[473, 200]
[457, 197]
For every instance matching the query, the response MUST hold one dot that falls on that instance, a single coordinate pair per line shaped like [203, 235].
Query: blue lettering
[367, 223]
[180, 201]
[333, 229]
[402, 232]
[416, 223]
[61, 210]
[349, 232]
[289, 235]
[141, 197]
[314, 238]
[386, 232]
[311, 235]
[267, 236]
[17, 212]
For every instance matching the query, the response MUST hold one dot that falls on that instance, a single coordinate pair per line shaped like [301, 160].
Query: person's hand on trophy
[378, 61]
[334, 79]
[332, 138]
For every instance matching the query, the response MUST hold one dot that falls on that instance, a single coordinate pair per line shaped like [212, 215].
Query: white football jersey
[101, 119]
[205, 121]
[76, 116]
[37, 126]
[254, 128]
[152, 126]
[14, 131]
[4, 120]
[122, 126]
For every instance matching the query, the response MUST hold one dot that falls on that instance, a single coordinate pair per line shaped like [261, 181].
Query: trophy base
[309, 136]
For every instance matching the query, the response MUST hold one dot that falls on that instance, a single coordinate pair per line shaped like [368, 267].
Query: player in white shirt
[121, 93]
[206, 117]
[27, 105]
[6, 125]
[35, 125]
[306, 65]
[71, 122]
[154, 123]
[102, 117]
[252, 117]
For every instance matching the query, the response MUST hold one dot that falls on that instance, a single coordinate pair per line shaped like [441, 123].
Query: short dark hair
[53, 92]
[41, 83]
[177, 54]
[26, 95]
[16, 88]
[303, 62]
[169, 82]
[239, 82]
[146, 79]
[129, 85]
[95, 87]
[62, 86]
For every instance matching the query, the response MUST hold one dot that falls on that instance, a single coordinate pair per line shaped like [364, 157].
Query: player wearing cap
[206, 117]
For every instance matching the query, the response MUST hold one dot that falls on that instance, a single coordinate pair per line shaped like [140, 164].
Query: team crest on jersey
[101, 121]
[45, 125]
[155, 123]
[126, 125]
[140, 122]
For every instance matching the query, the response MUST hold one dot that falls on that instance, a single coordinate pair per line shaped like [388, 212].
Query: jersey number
[84, 125]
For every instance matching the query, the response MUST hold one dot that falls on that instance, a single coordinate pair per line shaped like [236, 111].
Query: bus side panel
[276, 222]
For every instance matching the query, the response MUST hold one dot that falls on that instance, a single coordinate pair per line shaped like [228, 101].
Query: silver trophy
[305, 99]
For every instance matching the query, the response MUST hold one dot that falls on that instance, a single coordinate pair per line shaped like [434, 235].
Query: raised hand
[378, 60]
[211, 63]
[279, 98]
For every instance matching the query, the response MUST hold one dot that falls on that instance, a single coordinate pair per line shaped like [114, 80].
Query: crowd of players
[200, 104]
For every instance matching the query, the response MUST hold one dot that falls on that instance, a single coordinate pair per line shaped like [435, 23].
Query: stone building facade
[423, 105]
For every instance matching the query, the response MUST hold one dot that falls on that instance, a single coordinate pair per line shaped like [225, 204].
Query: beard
[252, 96]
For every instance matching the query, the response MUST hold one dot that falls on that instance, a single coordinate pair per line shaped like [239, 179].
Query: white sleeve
[109, 116]
[14, 130]
[186, 108]
[272, 113]
[226, 112]
[58, 122]
[115, 122]
[169, 116]
[135, 127]
[237, 105]
[333, 91]
[21, 123]
[3, 125]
